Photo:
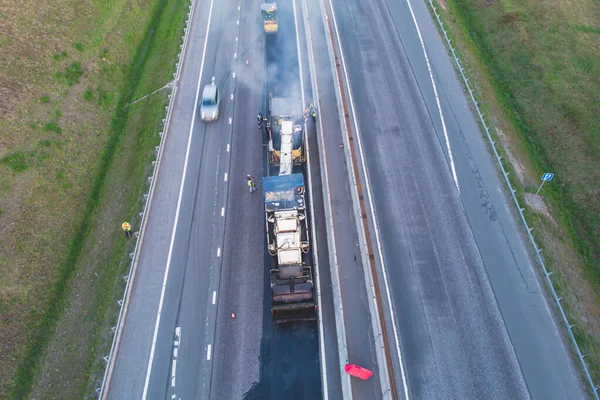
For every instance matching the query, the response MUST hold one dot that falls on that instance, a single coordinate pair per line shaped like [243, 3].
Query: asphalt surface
[284, 361]
[218, 264]
[472, 319]
[132, 358]
[255, 358]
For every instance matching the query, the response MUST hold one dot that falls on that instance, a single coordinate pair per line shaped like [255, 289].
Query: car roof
[209, 91]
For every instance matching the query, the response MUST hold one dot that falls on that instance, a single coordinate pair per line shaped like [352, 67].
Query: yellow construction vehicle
[269, 16]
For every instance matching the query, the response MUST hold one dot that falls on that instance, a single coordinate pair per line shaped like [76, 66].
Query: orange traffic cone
[232, 315]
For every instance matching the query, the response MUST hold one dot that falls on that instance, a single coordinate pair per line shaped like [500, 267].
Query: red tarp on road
[359, 372]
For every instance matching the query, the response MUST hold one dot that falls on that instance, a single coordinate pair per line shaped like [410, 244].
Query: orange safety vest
[126, 226]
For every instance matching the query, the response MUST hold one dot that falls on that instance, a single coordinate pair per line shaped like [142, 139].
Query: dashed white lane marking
[208, 352]
[238, 22]
[219, 252]
[225, 178]
[228, 147]
[230, 120]
[236, 39]
[222, 211]
[234, 55]
[234, 75]
[238, 8]
[231, 96]
[175, 350]
[173, 373]
[214, 297]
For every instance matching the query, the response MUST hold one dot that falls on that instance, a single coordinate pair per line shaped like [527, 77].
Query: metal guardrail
[148, 197]
[538, 251]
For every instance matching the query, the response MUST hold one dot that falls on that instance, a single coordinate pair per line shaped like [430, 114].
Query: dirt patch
[443, 4]
[519, 169]
[489, 3]
[537, 204]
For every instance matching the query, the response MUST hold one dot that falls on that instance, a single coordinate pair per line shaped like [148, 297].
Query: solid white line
[187, 154]
[299, 56]
[323, 357]
[219, 252]
[208, 352]
[222, 211]
[370, 196]
[214, 299]
[225, 178]
[437, 98]
[228, 147]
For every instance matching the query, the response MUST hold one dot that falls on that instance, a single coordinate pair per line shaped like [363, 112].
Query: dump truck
[284, 130]
[288, 243]
[268, 12]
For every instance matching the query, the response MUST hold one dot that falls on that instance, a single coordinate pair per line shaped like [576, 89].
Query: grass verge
[534, 71]
[129, 50]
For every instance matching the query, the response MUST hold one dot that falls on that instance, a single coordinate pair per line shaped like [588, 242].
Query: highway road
[203, 255]
[255, 358]
[166, 339]
[472, 320]
[471, 315]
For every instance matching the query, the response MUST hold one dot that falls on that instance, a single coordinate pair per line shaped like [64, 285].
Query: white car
[209, 108]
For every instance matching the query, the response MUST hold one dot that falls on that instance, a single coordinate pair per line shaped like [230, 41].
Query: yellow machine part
[271, 26]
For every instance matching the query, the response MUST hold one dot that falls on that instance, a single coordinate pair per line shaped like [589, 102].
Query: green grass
[16, 161]
[71, 74]
[134, 134]
[550, 89]
[540, 59]
[88, 95]
[105, 98]
[52, 127]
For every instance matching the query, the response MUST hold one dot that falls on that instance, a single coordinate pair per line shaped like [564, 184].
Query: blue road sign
[547, 176]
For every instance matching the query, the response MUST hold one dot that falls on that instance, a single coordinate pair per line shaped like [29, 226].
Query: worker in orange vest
[127, 229]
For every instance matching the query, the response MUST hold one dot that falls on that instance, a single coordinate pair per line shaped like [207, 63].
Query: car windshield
[208, 102]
